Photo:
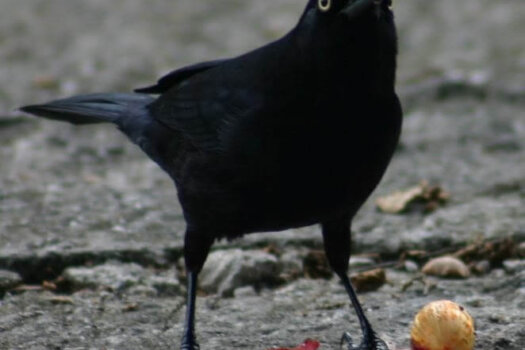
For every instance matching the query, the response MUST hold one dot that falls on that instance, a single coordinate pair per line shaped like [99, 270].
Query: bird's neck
[362, 52]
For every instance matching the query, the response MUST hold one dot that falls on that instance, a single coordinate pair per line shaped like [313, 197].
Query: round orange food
[442, 325]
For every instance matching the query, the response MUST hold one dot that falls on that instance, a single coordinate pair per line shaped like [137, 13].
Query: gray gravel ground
[85, 206]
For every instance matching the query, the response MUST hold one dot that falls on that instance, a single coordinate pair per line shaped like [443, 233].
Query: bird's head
[351, 8]
[353, 35]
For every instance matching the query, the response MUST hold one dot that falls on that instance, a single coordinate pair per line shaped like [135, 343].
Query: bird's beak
[356, 7]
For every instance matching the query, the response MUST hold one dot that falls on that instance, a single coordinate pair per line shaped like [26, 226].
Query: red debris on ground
[308, 344]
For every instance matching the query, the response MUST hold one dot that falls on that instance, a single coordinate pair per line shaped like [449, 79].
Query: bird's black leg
[370, 340]
[189, 341]
[196, 247]
[336, 235]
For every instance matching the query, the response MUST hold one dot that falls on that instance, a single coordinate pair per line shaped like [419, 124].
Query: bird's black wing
[177, 76]
[208, 111]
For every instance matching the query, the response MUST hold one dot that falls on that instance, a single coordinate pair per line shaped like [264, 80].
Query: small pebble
[521, 250]
[9, 280]
[481, 267]
[369, 281]
[247, 291]
[446, 266]
[514, 266]
[411, 266]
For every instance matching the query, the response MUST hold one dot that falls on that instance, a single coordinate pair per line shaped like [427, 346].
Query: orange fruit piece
[442, 325]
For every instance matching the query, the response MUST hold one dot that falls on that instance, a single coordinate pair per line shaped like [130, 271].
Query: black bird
[295, 133]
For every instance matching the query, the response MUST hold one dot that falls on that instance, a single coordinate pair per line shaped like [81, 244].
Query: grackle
[295, 133]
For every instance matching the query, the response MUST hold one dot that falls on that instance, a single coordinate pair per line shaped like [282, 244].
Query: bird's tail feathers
[92, 108]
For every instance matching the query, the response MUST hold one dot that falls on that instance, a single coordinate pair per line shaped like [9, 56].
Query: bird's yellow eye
[324, 5]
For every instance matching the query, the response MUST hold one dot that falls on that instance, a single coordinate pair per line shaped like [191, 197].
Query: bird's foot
[189, 343]
[190, 346]
[368, 343]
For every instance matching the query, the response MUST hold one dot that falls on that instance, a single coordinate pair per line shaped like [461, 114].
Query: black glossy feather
[178, 76]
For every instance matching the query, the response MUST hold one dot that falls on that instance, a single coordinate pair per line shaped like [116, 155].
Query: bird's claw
[189, 343]
[372, 343]
[188, 346]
